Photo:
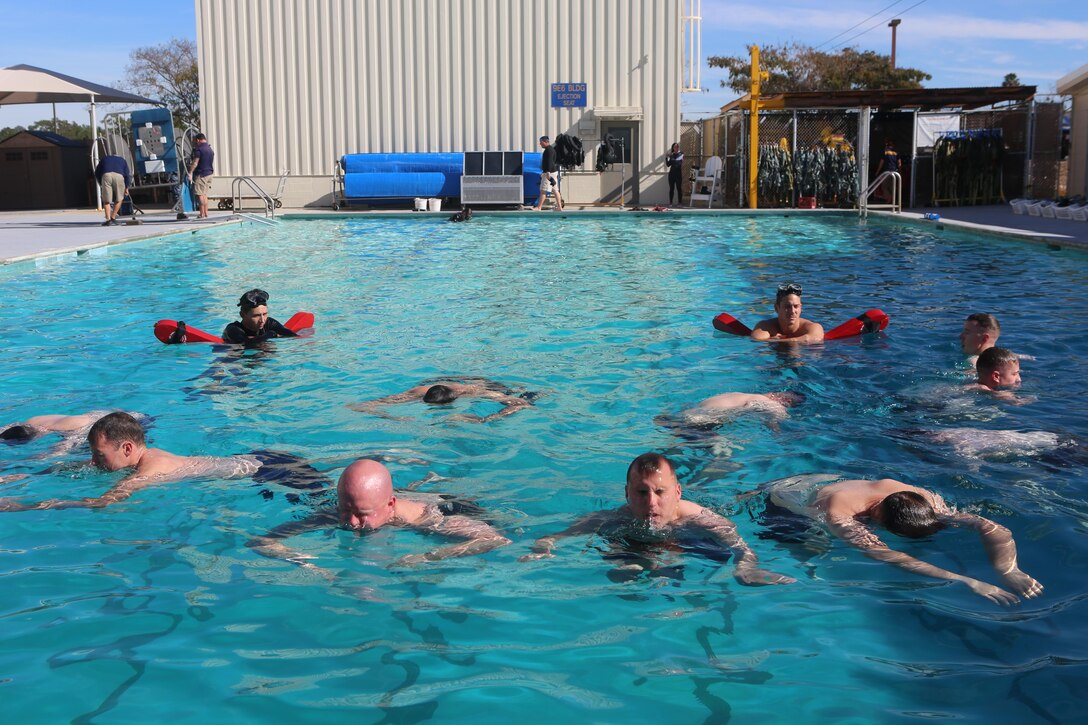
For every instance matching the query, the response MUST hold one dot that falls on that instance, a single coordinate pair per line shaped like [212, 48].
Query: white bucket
[420, 204]
[434, 205]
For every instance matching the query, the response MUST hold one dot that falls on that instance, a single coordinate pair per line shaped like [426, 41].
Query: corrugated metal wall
[297, 83]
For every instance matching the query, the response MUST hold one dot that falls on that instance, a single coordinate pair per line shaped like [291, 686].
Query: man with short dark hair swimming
[906, 511]
[980, 333]
[656, 508]
[788, 325]
[998, 371]
[366, 501]
[444, 392]
[117, 443]
[255, 325]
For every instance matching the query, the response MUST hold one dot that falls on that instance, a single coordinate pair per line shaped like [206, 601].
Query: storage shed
[42, 170]
[1075, 84]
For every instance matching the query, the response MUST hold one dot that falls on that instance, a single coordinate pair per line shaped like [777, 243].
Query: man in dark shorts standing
[549, 179]
[114, 178]
[255, 325]
[200, 172]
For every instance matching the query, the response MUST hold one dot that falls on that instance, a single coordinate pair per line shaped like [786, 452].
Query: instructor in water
[255, 325]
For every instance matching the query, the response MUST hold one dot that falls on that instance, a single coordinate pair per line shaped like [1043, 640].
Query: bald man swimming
[366, 501]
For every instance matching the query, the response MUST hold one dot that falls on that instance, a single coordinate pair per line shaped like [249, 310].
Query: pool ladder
[897, 194]
[259, 193]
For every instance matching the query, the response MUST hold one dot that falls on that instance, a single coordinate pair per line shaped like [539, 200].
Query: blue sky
[964, 43]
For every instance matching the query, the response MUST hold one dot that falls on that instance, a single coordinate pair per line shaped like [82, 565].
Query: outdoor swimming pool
[156, 608]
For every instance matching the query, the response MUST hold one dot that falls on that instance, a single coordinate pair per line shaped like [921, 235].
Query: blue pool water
[156, 608]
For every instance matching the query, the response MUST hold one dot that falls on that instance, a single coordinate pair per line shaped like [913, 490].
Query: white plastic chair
[1049, 210]
[1079, 212]
[1063, 212]
[1019, 205]
[706, 178]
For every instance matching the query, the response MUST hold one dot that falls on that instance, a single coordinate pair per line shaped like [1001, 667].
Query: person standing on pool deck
[788, 326]
[907, 511]
[255, 325]
[447, 391]
[549, 180]
[114, 178]
[117, 443]
[200, 172]
[366, 501]
[655, 499]
[675, 161]
[980, 333]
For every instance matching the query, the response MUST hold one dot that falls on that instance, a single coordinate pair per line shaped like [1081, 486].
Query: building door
[626, 131]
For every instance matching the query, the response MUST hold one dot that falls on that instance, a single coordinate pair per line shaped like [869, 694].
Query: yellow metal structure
[758, 77]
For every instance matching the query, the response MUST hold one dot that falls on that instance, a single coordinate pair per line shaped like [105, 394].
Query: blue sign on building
[568, 95]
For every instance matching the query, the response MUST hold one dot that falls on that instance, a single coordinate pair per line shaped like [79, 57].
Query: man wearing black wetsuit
[255, 325]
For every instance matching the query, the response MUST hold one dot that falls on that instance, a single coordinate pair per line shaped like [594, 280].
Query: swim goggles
[789, 289]
[253, 298]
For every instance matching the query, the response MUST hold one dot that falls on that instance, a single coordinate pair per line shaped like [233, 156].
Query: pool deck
[35, 234]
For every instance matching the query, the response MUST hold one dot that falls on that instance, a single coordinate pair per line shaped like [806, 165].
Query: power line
[858, 35]
[878, 12]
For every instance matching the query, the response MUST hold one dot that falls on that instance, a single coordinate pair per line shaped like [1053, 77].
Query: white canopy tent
[21, 84]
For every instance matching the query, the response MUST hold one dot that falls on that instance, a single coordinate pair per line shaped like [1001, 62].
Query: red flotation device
[165, 329]
[866, 322]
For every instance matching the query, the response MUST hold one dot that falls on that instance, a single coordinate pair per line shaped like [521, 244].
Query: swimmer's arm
[374, 406]
[124, 489]
[762, 331]
[856, 534]
[277, 327]
[271, 544]
[542, 547]
[746, 569]
[1001, 548]
[479, 538]
[512, 405]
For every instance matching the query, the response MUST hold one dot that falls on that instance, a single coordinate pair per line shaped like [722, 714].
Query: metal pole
[893, 25]
[793, 164]
[623, 171]
[94, 153]
[753, 132]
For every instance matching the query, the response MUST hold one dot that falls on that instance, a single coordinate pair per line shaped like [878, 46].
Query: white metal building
[1075, 84]
[296, 84]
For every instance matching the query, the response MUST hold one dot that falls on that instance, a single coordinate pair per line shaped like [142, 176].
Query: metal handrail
[897, 194]
[236, 195]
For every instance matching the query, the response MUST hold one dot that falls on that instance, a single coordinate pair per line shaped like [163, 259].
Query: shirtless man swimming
[788, 325]
[980, 333]
[655, 507]
[117, 442]
[71, 428]
[720, 409]
[445, 392]
[366, 501]
[998, 371]
[847, 506]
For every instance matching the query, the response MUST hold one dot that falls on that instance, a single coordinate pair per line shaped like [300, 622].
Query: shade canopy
[28, 84]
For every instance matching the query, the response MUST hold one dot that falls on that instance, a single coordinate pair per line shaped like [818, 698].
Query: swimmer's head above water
[787, 398]
[439, 395]
[653, 493]
[998, 367]
[364, 496]
[980, 333]
[117, 441]
[254, 310]
[909, 514]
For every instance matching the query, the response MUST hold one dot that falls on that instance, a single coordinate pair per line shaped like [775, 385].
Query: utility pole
[893, 25]
[758, 76]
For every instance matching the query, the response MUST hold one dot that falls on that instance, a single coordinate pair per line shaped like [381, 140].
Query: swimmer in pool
[72, 429]
[445, 392]
[654, 503]
[255, 325]
[726, 407]
[366, 501]
[117, 443]
[848, 507]
[998, 370]
[980, 333]
[788, 325]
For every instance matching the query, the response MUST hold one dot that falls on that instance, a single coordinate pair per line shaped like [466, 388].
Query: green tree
[168, 73]
[797, 67]
[68, 129]
[1011, 81]
[10, 131]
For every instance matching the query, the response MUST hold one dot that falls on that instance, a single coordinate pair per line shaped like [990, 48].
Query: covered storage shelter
[40, 170]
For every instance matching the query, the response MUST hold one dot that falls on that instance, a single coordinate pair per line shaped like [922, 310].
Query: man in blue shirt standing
[114, 178]
[200, 172]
